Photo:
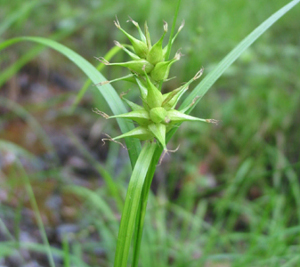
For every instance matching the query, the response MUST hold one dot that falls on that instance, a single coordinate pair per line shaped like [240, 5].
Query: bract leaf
[140, 132]
[159, 131]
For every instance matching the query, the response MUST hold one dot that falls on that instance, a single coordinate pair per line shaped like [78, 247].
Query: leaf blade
[108, 92]
[201, 89]
[131, 205]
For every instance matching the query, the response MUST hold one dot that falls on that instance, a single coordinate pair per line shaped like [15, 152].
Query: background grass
[228, 197]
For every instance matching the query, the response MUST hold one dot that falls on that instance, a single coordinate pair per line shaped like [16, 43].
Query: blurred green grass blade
[211, 78]
[108, 92]
[37, 214]
[8, 72]
[172, 31]
[113, 51]
[95, 199]
[132, 203]
[66, 251]
[17, 14]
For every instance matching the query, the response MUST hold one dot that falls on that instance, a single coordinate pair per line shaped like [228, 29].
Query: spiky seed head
[157, 115]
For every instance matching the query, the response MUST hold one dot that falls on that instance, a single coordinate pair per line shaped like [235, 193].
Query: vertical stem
[132, 203]
[172, 31]
[37, 214]
[143, 205]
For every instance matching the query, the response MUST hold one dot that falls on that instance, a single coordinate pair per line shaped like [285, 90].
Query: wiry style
[149, 68]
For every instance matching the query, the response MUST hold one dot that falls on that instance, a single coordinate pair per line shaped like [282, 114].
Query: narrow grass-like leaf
[9, 71]
[172, 31]
[211, 78]
[142, 209]
[113, 51]
[93, 198]
[35, 208]
[66, 251]
[58, 35]
[132, 202]
[108, 92]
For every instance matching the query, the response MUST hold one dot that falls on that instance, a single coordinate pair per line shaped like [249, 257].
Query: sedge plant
[156, 118]
[149, 68]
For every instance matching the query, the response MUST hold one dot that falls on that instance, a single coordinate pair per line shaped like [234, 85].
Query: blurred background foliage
[228, 197]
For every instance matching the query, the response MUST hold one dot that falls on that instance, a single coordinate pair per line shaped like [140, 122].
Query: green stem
[172, 31]
[37, 214]
[143, 205]
[132, 203]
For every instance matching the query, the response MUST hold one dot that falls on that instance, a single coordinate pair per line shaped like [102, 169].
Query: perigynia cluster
[149, 67]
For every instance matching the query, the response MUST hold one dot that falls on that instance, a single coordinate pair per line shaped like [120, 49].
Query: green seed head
[139, 47]
[156, 53]
[138, 66]
[158, 115]
[154, 96]
[161, 70]
[149, 69]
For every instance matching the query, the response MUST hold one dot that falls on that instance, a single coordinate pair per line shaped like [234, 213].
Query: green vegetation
[228, 197]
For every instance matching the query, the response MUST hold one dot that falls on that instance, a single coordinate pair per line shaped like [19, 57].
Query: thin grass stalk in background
[36, 212]
[66, 250]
